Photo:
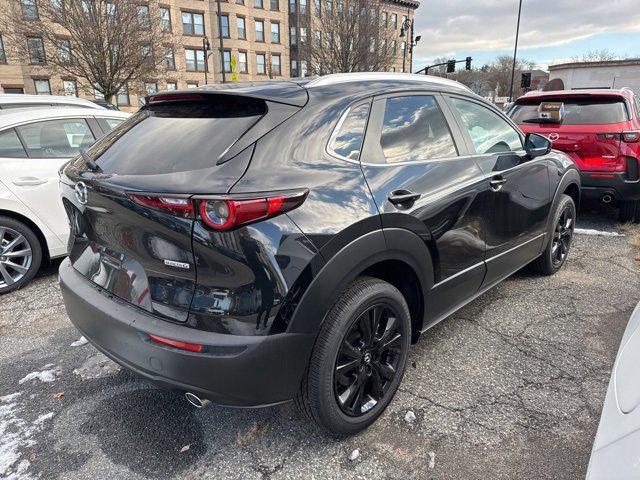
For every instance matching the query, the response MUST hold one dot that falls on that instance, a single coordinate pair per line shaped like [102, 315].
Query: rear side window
[177, 136]
[586, 111]
[56, 138]
[414, 129]
[347, 140]
[489, 132]
[10, 145]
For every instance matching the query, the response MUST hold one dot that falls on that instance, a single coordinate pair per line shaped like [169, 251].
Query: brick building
[256, 45]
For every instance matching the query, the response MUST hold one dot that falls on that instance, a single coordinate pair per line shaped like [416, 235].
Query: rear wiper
[540, 120]
[93, 166]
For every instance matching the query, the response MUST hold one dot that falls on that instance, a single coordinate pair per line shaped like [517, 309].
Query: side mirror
[536, 145]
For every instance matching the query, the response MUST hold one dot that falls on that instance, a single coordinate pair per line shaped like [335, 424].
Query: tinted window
[10, 146]
[415, 129]
[56, 138]
[348, 140]
[577, 111]
[176, 137]
[489, 132]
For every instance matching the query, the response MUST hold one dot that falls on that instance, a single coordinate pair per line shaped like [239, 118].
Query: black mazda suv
[251, 244]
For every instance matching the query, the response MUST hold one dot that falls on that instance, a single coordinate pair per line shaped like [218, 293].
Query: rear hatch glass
[177, 136]
[589, 131]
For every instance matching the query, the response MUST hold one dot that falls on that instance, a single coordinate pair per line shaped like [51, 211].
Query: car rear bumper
[243, 371]
[617, 186]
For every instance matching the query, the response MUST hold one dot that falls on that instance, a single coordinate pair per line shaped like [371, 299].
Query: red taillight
[234, 211]
[631, 137]
[177, 206]
[190, 347]
[602, 175]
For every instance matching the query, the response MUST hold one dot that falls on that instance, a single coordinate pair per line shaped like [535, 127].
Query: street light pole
[206, 46]
[515, 53]
[413, 41]
[224, 78]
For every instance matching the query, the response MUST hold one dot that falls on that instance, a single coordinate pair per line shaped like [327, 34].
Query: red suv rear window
[578, 111]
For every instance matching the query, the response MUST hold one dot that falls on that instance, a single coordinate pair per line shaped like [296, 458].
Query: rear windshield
[176, 137]
[578, 111]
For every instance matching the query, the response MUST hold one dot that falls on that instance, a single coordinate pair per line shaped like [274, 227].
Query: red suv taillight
[225, 212]
[631, 137]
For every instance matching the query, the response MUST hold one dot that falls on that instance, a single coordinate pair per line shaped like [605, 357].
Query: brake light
[231, 211]
[631, 137]
[609, 136]
[602, 175]
[177, 206]
[190, 347]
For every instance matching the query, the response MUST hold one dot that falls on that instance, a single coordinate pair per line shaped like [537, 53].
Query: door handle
[29, 181]
[403, 197]
[497, 182]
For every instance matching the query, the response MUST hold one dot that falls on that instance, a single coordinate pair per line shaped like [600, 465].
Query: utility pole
[407, 26]
[515, 53]
[206, 46]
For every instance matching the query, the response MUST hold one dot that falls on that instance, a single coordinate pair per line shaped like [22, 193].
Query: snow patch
[16, 435]
[432, 460]
[81, 341]
[97, 366]
[596, 233]
[354, 455]
[10, 398]
[46, 376]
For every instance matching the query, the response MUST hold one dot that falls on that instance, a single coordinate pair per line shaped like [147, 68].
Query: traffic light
[467, 65]
[451, 66]
[526, 80]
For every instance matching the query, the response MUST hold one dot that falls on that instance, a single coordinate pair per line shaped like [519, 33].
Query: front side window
[56, 138]
[488, 131]
[414, 129]
[346, 142]
[10, 145]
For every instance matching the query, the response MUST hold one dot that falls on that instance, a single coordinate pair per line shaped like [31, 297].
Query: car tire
[20, 254]
[345, 361]
[629, 211]
[560, 237]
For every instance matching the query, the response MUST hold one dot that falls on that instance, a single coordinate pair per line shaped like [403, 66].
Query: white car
[19, 100]
[34, 144]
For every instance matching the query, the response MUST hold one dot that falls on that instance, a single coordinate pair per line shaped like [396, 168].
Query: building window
[165, 19]
[394, 20]
[260, 61]
[242, 30]
[151, 87]
[35, 46]
[169, 59]
[193, 23]
[394, 47]
[318, 38]
[275, 33]
[224, 26]
[303, 35]
[329, 7]
[3, 55]
[29, 9]
[122, 98]
[259, 31]
[70, 88]
[275, 5]
[258, 4]
[226, 61]
[385, 19]
[194, 60]
[317, 8]
[42, 87]
[242, 62]
[64, 50]
[240, 2]
[293, 36]
[172, 86]
[403, 46]
[292, 6]
[404, 19]
[303, 68]
[143, 16]
[294, 68]
[275, 65]
[303, 7]
[192, 84]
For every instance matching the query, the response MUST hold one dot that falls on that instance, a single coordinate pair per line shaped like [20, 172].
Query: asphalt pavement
[509, 387]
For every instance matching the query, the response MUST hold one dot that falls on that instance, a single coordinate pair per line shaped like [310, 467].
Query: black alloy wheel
[368, 359]
[562, 236]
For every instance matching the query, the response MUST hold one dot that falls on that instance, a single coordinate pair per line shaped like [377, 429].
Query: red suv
[600, 131]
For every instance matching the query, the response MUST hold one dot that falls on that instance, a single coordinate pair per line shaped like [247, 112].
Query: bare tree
[596, 56]
[111, 44]
[352, 39]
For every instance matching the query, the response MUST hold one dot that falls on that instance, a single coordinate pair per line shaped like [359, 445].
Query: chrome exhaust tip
[196, 401]
[606, 198]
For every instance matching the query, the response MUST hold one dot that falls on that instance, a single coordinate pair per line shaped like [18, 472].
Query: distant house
[604, 74]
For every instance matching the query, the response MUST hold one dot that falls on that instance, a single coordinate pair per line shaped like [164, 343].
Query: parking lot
[509, 387]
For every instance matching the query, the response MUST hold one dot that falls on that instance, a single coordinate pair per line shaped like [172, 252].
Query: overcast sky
[551, 30]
